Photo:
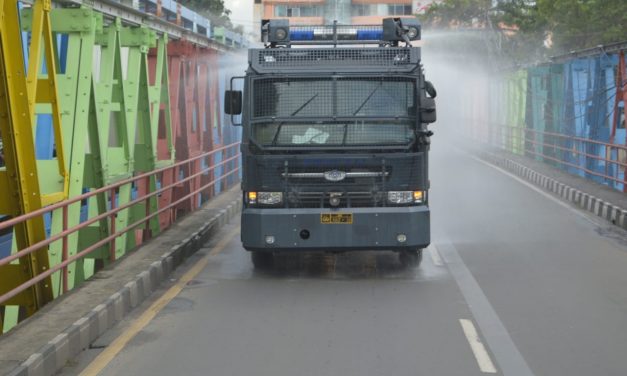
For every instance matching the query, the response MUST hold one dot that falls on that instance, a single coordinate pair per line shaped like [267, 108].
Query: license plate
[336, 218]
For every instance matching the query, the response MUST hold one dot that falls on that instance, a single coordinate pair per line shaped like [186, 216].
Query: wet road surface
[543, 286]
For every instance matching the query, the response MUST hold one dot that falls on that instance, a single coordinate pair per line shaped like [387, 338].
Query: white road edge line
[497, 338]
[536, 189]
[435, 255]
[481, 354]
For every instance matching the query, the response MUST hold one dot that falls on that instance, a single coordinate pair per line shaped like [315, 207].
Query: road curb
[77, 337]
[586, 201]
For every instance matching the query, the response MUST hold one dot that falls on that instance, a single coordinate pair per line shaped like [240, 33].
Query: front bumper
[372, 228]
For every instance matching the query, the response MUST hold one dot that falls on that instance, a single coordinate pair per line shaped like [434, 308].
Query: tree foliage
[457, 13]
[569, 24]
[214, 10]
[537, 28]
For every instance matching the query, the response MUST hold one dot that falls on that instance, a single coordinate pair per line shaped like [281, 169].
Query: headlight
[269, 198]
[405, 197]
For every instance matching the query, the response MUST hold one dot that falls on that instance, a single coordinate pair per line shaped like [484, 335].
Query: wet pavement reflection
[349, 265]
[235, 263]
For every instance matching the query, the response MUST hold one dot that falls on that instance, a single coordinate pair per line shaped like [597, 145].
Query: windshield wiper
[357, 111]
[367, 99]
[299, 109]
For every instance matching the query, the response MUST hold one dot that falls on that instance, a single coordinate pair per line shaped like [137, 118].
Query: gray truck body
[334, 130]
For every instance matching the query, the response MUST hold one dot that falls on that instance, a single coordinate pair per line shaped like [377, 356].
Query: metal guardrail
[232, 166]
[557, 148]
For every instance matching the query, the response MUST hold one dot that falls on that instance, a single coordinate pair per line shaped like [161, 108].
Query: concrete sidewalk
[43, 343]
[602, 201]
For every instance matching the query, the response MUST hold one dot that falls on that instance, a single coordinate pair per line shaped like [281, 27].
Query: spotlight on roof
[275, 31]
[401, 29]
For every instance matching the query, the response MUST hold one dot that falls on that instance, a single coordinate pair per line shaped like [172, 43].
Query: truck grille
[346, 199]
[358, 180]
[356, 177]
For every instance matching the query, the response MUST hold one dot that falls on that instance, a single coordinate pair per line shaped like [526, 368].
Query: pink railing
[232, 166]
[562, 149]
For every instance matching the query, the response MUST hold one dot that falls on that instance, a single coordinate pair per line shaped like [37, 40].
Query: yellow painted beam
[44, 94]
[51, 198]
[17, 112]
[11, 276]
[7, 203]
[41, 39]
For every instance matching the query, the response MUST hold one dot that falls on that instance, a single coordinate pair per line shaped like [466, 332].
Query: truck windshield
[305, 111]
[353, 133]
[378, 97]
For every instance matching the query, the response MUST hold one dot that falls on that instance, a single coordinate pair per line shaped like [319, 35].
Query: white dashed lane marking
[480, 352]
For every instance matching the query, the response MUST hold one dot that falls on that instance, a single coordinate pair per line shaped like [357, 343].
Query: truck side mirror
[427, 110]
[430, 89]
[233, 102]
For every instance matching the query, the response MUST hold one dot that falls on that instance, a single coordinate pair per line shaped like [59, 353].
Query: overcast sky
[241, 12]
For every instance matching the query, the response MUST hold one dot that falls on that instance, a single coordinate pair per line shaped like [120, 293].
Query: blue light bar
[369, 34]
[278, 32]
[301, 35]
[342, 33]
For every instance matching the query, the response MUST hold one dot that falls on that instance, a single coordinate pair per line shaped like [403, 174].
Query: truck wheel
[262, 260]
[410, 257]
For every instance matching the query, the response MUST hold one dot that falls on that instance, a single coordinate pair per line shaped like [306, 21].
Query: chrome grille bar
[320, 175]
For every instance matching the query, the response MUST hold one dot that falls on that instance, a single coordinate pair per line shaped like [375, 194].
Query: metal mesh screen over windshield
[346, 133]
[387, 97]
[397, 58]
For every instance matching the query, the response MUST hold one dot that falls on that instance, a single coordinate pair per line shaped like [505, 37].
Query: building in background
[257, 16]
[320, 12]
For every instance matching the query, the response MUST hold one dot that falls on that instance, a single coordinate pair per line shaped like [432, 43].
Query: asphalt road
[543, 286]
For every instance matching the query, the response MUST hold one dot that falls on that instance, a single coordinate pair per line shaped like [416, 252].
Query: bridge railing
[228, 176]
[568, 112]
[111, 94]
[601, 161]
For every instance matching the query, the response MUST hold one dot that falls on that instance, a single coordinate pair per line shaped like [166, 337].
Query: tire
[262, 260]
[410, 257]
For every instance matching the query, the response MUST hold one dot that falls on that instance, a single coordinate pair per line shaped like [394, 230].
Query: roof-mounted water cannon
[275, 32]
[401, 30]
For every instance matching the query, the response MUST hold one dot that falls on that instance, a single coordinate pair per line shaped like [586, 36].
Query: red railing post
[64, 250]
[112, 218]
[146, 235]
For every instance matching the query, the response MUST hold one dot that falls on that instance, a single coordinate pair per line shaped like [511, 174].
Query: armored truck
[335, 140]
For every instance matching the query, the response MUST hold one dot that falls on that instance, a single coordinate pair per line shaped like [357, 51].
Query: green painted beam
[75, 93]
